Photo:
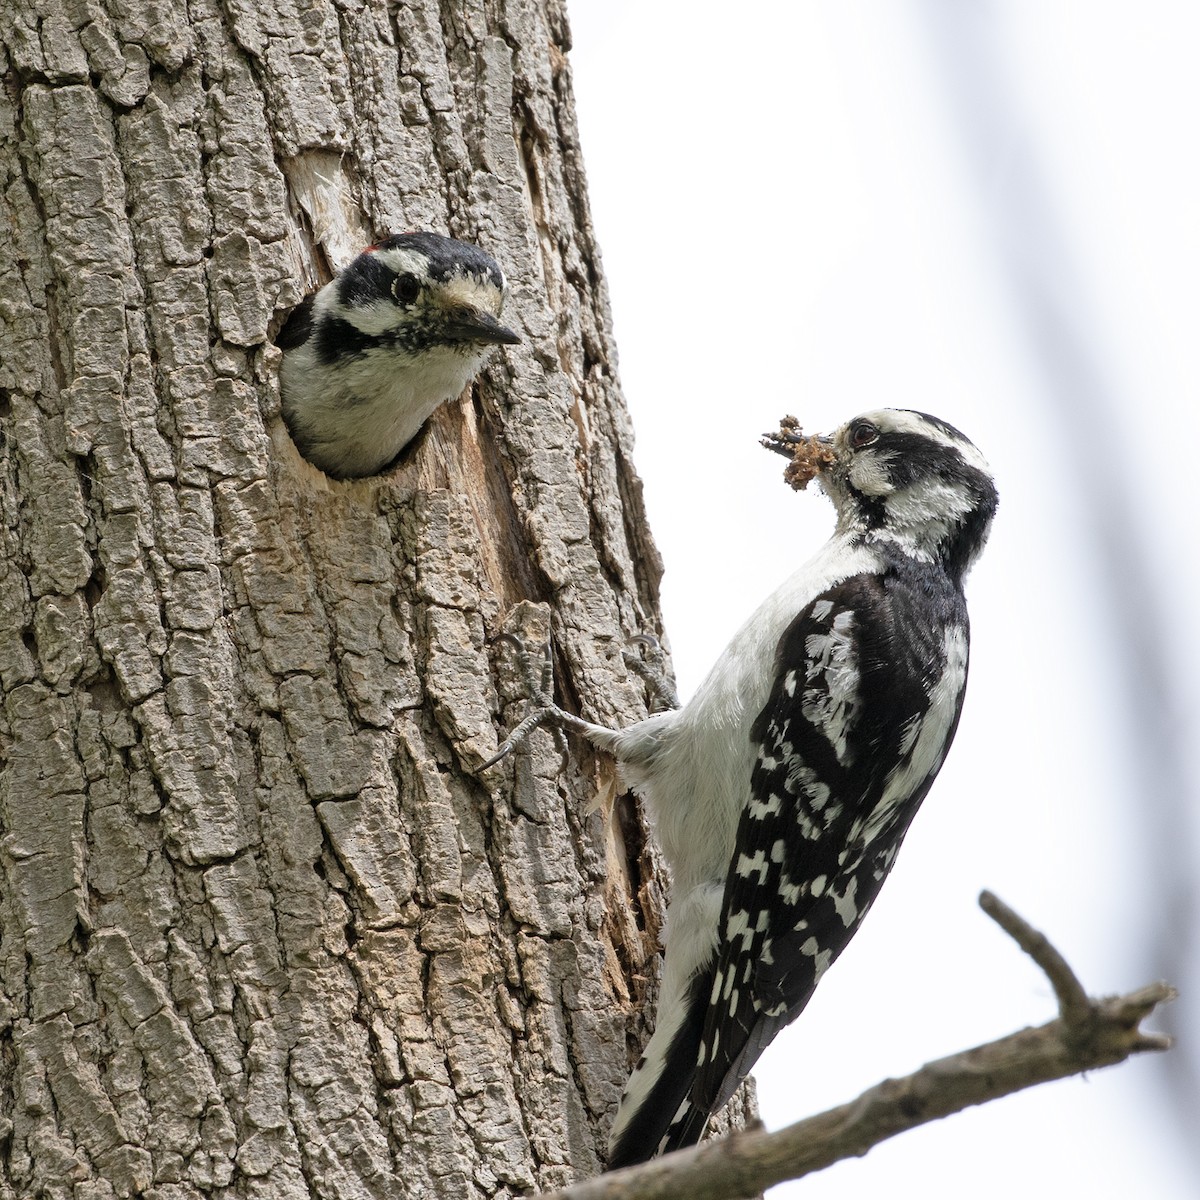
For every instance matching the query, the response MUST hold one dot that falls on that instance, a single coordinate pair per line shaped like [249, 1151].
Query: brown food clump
[808, 454]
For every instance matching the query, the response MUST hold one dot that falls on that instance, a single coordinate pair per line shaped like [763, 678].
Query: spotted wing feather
[863, 679]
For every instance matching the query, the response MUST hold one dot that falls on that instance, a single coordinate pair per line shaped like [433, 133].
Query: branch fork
[1087, 1034]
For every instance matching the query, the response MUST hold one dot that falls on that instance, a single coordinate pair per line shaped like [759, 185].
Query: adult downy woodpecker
[781, 791]
[368, 357]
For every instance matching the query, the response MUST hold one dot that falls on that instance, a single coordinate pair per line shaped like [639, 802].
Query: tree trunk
[264, 930]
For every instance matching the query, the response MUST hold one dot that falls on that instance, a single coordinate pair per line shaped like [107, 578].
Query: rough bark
[262, 930]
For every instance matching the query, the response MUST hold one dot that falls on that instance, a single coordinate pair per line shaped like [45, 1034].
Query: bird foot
[651, 668]
[539, 685]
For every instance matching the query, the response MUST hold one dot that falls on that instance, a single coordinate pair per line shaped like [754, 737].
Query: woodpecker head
[912, 479]
[368, 357]
[415, 293]
[901, 477]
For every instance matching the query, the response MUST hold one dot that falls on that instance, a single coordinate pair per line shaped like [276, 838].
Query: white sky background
[990, 212]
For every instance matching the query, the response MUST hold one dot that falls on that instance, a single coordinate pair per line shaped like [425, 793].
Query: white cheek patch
[931, 499]
[373, 319]
[868, 473]
[928, 512]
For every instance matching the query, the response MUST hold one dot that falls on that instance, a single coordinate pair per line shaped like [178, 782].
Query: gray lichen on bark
[262, 930]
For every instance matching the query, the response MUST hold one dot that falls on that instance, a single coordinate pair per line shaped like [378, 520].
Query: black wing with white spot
[867, 693]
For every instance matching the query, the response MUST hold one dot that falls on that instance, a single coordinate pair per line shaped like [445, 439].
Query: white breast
[373, 405]
[693, 766]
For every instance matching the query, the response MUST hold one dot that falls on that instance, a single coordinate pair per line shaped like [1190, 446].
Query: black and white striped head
[915, 480]
[413, 293]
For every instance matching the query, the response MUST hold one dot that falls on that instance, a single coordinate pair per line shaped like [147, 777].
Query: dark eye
[406, 288]
[863, 433]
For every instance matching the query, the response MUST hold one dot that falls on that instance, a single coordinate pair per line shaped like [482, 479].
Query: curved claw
[651, 673]
[541, 694]
[518, 735]
[544, 709]
[646, 639]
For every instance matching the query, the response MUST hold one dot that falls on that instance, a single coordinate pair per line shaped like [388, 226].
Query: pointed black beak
[777, 442]
[785, 440]
[475, 325]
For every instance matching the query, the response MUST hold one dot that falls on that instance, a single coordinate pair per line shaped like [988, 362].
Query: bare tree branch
[1074, 1006]
[1086, 1035]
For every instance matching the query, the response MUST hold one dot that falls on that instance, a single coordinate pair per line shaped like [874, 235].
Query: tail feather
[656, 1097]
[686, 1129]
